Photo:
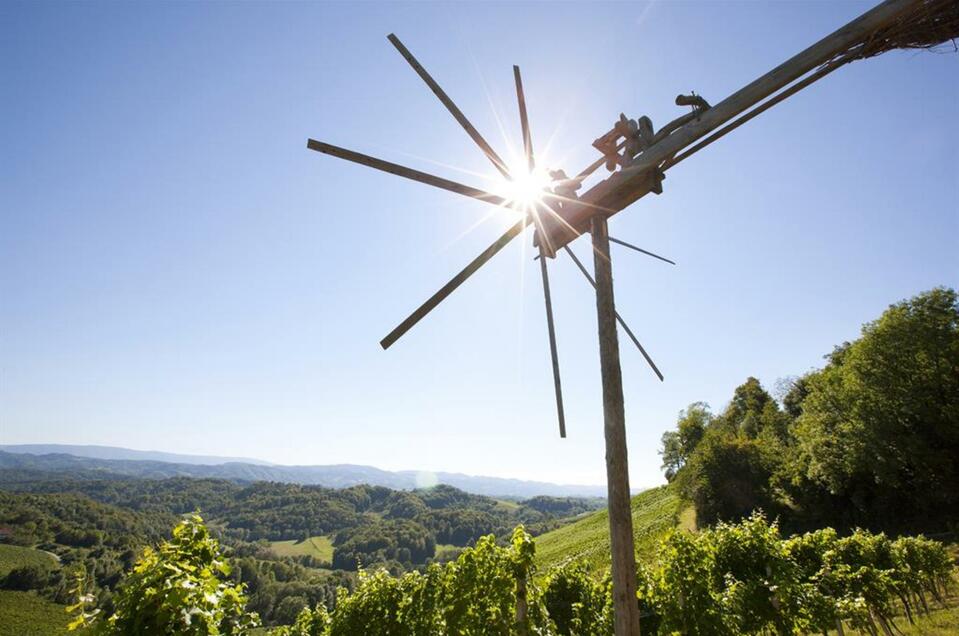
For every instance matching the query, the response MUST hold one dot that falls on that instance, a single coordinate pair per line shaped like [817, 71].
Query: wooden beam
[641, 250]
[554, 355]
[642, 177]
[789, 71]
[625, 605]
[524, 120]
[406, 173]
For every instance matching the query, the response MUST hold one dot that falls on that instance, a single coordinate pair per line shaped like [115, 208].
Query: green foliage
[25, 577]
[880, 423]
[745, 578]
[12, 557]
[309, 622]
[870, 440]
[727, 478]
[319, 548]
[732, 579]
[477, 595]
[102, 524]
[655, 513]
[26, 614]
[177, 588]
[576, 601]
[400, 540]
[679, 445]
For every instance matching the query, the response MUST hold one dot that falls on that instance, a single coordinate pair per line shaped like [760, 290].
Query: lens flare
[525, 191]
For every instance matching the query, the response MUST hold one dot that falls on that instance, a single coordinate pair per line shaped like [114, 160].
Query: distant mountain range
[99, 462]
[114, 452]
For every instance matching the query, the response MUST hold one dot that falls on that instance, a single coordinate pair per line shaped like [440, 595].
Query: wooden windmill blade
[455, 282]
[554, 355]
[535, 213]
[641, 250]
[619, 319]
[524, 120]
[406, 173]
[474, 134]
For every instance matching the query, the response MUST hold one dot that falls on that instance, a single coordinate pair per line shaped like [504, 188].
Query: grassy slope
[943, 622]
[14, 556]
[319, 547]
[26, 614]
[655, 512]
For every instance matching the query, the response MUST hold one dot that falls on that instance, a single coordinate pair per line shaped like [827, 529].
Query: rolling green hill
[319, 547]
[655, 513]
[26, 614]
[14, 556]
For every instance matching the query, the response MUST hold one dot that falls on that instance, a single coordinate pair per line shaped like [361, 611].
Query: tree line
[870, 440]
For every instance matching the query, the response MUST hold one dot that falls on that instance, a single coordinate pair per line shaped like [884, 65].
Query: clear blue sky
[178, 272]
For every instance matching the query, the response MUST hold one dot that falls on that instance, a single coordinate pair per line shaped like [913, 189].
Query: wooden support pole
[625, 604]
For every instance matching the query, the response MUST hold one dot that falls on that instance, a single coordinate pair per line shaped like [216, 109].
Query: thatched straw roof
[930, 24]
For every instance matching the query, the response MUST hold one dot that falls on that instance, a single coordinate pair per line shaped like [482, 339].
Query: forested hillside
[287, 541]
[870, 440]
[656, 513]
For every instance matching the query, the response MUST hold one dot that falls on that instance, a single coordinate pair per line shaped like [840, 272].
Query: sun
[526, 190]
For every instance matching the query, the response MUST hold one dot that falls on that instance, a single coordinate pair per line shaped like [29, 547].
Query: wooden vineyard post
[625, 605]
[522, 607]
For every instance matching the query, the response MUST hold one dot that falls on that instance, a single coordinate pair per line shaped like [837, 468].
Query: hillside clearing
[319, 547]
[14, 556]
[655, 513]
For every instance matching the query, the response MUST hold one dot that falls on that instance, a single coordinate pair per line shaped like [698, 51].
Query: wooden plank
[456, 281]
[641, 250]
[625, 606]
[524, 120]
[474, 134]
[554, 356]
[406, 173]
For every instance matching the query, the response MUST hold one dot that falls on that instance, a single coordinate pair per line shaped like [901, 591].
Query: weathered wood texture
[406, 173]
[524, 120]
[625, 606]
[641, 250]
[554, 355]
[630, 184]
[534, 212]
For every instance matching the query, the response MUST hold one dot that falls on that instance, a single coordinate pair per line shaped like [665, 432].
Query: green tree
[25, 577]
[678, 445]
[178, 588]
[749, 398]
[880, 422]
[727, 478]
